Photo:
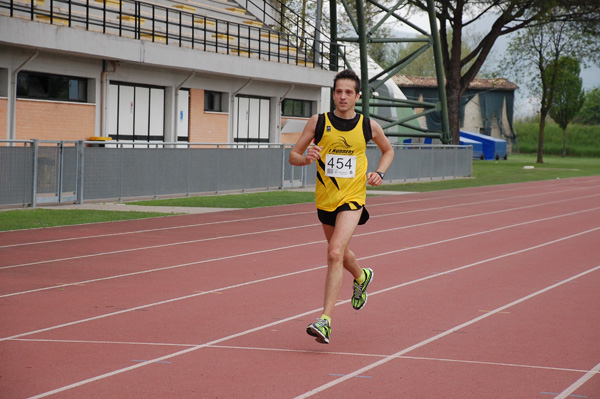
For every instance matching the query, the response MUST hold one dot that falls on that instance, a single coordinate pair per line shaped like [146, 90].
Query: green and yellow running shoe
[320, 330]
[359, 298]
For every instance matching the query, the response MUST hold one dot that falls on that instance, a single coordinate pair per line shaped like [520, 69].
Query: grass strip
[250, 200]
[513, 170]
[36, 218]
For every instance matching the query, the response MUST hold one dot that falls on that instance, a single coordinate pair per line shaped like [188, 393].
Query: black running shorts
[328, 218]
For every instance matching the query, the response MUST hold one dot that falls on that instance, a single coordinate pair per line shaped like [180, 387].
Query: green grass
[484, 173]
[582, 140]
[36, 218]
[254, 200]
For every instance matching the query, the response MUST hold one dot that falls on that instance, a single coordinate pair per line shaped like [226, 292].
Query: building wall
[506, 128]
[70, 123]
[292, 137]
[206, 127]
[54, 120]
[472, 121]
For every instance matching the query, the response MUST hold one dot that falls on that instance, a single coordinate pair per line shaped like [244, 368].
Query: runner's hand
[373, 179]
[312, 154]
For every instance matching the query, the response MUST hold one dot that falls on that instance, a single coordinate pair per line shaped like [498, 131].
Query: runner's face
[345, 95]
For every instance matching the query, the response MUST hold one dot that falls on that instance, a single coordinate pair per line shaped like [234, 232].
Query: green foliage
[582, 140]
[590, 111]
[568, 97]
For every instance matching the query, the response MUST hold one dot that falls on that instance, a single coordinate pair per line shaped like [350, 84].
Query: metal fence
[34, 172]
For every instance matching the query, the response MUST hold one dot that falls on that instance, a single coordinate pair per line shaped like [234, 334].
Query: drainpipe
[176, 100]
[232, 107]
[12, 99]
[104, 95]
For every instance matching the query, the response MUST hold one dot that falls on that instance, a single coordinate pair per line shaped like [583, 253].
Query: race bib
[343, 166]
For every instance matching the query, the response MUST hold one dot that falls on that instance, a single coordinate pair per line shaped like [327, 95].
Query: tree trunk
[453, 99]
[540, 153]
[564, 151]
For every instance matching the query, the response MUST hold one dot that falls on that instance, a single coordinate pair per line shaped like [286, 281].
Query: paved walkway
[117, 206]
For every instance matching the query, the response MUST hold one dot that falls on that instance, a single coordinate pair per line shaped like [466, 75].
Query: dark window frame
[213, 101]
[292, 107]
[51, 87]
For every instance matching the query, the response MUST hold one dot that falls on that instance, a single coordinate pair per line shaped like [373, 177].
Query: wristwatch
[380, 174]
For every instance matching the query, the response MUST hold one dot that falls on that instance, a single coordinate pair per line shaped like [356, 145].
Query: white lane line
[387, 359]
[595, 370]
[156, 246]
[166, 357]
[332, 383]
[403, 201]
[153, 230]
[305, 271]
[288, 228]
[577, 384]
[312, 243]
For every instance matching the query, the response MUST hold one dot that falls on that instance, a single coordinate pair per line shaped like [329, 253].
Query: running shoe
[320, 330]
[359, 298]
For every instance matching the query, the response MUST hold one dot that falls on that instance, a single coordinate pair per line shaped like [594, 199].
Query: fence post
[121, 171]
[35, 174]
[218, 167]
[80, 172]
[156, 166]
[283, 166]
[59, 183]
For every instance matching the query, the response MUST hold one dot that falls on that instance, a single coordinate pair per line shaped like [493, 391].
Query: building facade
[487, 106]
[66, 77]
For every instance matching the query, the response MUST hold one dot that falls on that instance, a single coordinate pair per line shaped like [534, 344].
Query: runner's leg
[339, 256]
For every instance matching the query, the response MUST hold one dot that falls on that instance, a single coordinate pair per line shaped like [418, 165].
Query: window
[301, 108]
[51, 87]
[136, 112]
[215, 101]
[251, 119]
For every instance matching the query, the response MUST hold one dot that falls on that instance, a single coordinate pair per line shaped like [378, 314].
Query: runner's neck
[346, 115]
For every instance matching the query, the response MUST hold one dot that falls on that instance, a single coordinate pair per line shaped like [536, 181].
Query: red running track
[490, 292]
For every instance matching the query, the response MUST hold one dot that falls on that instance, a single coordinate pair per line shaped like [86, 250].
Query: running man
[340, 139]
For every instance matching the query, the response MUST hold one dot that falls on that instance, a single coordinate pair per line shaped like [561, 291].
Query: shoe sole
[367, 296]
[319, 337]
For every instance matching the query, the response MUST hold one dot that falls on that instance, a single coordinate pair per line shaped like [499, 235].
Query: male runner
[340, 139]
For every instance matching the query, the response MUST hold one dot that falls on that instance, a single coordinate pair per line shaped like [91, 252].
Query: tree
[590, 111]
[424, 65]
[511, 16]
[568, 97]
[541, 47]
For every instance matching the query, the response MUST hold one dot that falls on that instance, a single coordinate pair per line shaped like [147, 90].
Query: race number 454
[340, 165]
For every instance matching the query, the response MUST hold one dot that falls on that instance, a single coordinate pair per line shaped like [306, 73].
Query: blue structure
[477, 147]
[493, 148]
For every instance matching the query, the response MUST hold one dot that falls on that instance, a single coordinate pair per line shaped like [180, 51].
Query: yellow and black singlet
[342, 168]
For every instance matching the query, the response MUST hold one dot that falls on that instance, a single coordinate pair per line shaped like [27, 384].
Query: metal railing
[35, 172]
[175, 26]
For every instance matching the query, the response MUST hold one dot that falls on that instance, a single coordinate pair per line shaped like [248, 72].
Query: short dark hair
[347, 74]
